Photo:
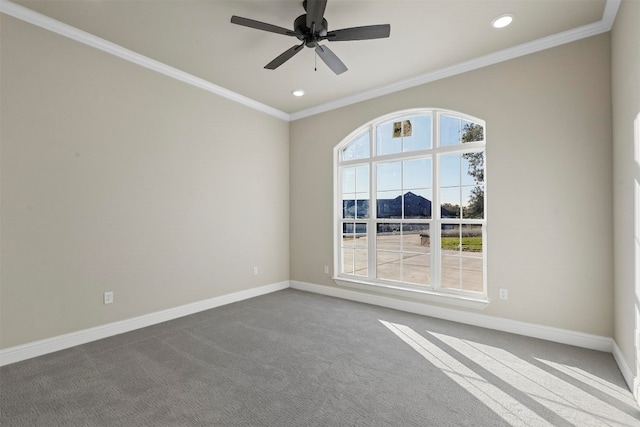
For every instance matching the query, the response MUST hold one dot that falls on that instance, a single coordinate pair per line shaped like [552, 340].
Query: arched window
[410, 203]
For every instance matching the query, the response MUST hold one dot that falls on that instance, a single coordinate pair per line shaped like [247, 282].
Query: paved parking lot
[460, 269]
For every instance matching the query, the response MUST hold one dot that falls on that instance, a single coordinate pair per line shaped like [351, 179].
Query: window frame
[433, 291]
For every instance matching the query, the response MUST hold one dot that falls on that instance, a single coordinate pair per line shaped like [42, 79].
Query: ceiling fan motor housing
[311, 29]
[304, 33]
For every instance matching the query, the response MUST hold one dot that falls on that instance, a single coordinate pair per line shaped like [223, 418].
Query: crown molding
[610, 11]
[604, 25]
[554, 40]
[27, 15]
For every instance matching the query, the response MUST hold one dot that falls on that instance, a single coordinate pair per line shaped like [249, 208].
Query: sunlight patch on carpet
[494, 398]
[566, 400]
[519, 391]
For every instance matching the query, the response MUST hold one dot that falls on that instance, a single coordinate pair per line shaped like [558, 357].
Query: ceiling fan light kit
[312, 28]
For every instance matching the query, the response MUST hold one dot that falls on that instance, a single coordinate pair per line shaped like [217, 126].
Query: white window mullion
[390, 153]
[437, 222]
[373, 208]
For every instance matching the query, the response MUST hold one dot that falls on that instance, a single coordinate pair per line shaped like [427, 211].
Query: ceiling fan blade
[359, 33]
[284, 57]
[261, 26]
[315, 12]
[331, 59]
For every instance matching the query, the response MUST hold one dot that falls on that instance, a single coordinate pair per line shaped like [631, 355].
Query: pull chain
[315, 59]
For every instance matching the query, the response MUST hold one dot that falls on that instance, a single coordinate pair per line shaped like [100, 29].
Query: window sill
[478, 303]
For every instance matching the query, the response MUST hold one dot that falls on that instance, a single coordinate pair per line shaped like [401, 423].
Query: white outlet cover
[108, 297]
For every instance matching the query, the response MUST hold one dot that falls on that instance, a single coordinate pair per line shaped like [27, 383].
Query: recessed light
[502, 20]
[298, 92]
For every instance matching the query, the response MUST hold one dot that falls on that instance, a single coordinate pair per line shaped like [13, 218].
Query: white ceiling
[429, 39]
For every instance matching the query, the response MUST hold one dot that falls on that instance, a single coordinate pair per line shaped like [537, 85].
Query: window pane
[347, 266]
[348, 180]
[471, 132]
[472, 272]
[417, 204]
[388, 265]
[360, 238]
[450, 260]
[462, 257]
[416, 268]
[473, 202]
[449, 130]
[350, 230]
[389, 176]
[362, 179]
[354, 249]
[358, 149]
[386, 143]
[472, 258]
[450, 239]
[416, 173]
[472, 168]
[389, 204]
[450, 170]
[451, 274]
[471, 239]
[362, 205]
[416, 238]
[388, 236]
[419, 138]
[361, 262]
[348, 206]
[450, 202]
[348, 235]
[355, 204]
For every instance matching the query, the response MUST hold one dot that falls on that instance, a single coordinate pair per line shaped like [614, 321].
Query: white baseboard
[627, 373]
[563, 336]
[50, 345]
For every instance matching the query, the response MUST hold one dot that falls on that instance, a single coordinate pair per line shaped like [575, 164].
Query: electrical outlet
[504, 294]
[108, 297]
[326, 269]
[255, 271]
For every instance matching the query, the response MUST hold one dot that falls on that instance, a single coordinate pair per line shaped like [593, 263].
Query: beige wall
[625, 57]
[118, 178]
[549, 181]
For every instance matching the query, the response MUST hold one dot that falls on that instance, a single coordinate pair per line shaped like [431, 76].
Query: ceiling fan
[312, 28]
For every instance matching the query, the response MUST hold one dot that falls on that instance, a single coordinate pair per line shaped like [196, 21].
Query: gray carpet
[293, 358]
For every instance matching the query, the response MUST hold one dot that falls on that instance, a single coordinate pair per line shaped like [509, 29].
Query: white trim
[564, 336]
[50, 345]
[627, 373]
[43, 21]
[554, 40]
[478, 303]
[434, 154]
[610, 11]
